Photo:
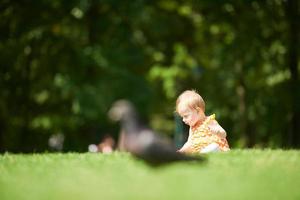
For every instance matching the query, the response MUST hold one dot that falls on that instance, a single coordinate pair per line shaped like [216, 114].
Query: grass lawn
[239, 174]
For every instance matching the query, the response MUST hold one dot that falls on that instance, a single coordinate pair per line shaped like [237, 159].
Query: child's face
[190, 116]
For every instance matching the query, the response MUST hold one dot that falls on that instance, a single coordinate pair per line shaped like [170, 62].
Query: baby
[205, 134]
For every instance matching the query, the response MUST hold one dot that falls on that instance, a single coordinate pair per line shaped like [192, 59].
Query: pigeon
[143, 142]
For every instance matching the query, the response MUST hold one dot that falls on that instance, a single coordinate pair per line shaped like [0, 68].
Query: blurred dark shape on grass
[143, 142]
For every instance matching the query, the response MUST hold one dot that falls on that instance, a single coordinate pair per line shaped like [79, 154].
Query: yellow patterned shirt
[207, 133]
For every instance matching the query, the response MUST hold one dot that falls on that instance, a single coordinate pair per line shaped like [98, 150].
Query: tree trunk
[1, 137]
[246, 138]
[292, 14]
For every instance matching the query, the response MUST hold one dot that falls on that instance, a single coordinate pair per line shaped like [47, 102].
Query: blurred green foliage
[64, 62]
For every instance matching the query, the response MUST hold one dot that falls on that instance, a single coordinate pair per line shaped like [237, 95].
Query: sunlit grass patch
[239, 174]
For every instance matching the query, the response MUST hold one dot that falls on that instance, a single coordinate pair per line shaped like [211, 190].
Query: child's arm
[217, 129]
[186, 148]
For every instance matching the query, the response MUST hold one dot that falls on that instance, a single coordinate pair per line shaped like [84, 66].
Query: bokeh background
[63, 63]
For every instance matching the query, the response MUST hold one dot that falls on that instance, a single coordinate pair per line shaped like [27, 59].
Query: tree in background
[64, 62]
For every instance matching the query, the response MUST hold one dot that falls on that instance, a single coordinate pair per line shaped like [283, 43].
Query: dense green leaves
[64, 62]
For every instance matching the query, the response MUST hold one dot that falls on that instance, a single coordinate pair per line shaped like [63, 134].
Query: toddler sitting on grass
[205, 133]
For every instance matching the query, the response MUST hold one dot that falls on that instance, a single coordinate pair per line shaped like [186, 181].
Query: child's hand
[186, 149]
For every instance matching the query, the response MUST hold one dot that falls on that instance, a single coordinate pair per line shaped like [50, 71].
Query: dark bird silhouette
[143, 142]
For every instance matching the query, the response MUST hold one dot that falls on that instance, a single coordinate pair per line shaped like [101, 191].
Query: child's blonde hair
[190, 99]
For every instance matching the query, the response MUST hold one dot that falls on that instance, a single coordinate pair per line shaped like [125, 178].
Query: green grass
[239, 174]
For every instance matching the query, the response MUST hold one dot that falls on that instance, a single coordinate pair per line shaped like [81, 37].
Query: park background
[63, 63]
